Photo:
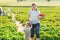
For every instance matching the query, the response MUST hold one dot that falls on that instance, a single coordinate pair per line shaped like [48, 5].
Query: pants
[36, 28]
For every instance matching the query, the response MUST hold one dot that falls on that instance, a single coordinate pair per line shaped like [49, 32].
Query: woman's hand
[41, 16]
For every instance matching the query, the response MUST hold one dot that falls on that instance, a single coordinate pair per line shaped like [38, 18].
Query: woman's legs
[37, 27]
[37, 31]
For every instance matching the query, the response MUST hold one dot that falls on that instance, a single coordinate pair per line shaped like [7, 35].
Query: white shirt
[34, 16]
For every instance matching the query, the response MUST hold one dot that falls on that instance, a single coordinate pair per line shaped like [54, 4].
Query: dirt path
[20, 27]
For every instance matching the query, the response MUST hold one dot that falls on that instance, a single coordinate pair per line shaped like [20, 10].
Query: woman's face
[34, 6]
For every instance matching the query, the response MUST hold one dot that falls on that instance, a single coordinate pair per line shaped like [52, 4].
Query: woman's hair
[34, 4]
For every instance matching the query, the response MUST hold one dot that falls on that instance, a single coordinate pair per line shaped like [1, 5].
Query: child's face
[28, 25]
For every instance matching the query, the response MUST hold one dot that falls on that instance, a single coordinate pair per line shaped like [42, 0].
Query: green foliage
[8, 30]
[50, 25]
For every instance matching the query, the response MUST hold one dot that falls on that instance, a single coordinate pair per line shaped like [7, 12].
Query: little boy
[27, 30]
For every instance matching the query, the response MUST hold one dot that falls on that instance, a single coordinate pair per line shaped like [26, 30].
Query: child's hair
[28, 23]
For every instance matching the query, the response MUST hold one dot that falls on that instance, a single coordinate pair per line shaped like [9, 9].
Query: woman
[34, 20]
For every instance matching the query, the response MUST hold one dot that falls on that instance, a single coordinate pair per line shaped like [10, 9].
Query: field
[49, 26]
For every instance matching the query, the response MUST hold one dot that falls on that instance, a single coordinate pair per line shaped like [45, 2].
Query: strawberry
[41, 15]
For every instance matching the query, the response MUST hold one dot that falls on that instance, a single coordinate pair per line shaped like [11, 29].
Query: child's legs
[27, 37]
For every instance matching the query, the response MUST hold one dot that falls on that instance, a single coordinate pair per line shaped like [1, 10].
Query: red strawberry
[41, 15]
